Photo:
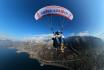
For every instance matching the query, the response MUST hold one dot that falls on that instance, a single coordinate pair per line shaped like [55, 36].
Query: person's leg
[62, 45]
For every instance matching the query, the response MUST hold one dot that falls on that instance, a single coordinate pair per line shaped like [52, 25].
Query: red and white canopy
[53, 10]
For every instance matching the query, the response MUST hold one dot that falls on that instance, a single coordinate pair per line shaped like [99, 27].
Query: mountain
[80, 53]
[84, 43]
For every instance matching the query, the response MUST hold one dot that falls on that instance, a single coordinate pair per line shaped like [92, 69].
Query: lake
[10, 60]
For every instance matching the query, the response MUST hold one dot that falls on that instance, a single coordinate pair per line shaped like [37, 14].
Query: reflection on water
[10, 60]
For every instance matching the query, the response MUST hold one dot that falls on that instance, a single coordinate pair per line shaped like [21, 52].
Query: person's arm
[53, 37]
[63, 36]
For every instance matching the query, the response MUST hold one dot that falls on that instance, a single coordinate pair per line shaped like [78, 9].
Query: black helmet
[57, 32]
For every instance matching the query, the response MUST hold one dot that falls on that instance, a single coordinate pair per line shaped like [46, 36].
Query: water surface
[10, 60]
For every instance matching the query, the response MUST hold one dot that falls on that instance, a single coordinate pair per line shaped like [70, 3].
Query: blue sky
[17, 16]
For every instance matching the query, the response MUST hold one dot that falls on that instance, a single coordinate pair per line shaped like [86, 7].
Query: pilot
[58, 39]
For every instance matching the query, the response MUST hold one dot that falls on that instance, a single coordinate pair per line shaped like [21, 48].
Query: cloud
[85, 33]
[100, 36]
[42, 38]
[5, 37]
[46, 38]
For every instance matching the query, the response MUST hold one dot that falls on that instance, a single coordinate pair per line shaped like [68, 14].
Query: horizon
[48, 36]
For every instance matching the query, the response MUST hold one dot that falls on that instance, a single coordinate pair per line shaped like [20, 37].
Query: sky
[17, 17]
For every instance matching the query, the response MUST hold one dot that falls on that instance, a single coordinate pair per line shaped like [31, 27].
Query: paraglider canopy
[58, 40]
[53, 10]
